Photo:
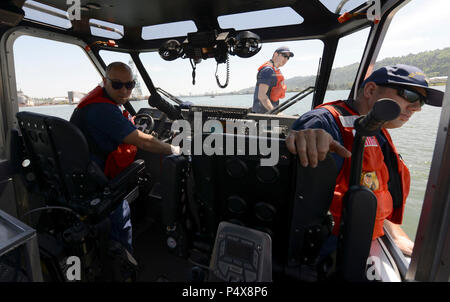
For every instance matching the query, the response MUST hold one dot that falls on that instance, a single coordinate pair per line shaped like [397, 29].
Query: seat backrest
[285, 200]
[60, 157]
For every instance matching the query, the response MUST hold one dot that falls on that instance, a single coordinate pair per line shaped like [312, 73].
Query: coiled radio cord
[228, 74]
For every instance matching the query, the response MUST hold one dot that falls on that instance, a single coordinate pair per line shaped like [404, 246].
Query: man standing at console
[270, 87]
[112, 137]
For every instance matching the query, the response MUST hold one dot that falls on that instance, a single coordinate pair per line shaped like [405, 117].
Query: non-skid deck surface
[155, 261]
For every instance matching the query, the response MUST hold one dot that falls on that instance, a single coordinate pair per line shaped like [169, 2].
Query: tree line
[434, 63]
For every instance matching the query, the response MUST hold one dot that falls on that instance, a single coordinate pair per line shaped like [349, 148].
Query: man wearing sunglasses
[270, 87]
[112, 137]
[330, 128]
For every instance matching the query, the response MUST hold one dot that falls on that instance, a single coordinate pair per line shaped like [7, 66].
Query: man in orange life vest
[112, 137]
[270, 87]
[325, 129]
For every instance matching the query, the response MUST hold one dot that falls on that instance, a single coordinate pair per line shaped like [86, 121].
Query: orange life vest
[124, 155]
[279, 90]
[375, 173]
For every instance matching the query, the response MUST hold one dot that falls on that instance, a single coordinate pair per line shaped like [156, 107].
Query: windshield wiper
[170, 96]
[291, 101]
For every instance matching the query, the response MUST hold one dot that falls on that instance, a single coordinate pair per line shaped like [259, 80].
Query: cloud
[418, 26]
[156, 68]
[308, 58]
[421, 17]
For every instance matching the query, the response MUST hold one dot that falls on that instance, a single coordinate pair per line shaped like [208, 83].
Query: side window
[345, 66]
[176, 76]
[426, 49]
[52, 76]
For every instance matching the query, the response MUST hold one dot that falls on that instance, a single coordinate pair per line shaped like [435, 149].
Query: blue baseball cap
[406, 75]
[285, 49]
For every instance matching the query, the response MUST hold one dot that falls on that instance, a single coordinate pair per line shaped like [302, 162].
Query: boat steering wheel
[144, 122]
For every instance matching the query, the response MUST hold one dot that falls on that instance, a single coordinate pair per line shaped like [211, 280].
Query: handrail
[106, 28]
[66, 17]
[340, 5]
[291, 101]
[170, 96]
[47, 11]
[396, 253]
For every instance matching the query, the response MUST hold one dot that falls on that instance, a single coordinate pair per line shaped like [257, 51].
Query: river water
[415, 140]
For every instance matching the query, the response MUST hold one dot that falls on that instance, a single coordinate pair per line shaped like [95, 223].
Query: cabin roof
[318, 21]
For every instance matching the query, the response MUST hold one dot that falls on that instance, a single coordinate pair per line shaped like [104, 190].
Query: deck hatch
[260, 19]
[36, 11]
[168, 30]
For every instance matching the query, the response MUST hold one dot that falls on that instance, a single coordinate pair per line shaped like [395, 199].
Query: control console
[241, 254]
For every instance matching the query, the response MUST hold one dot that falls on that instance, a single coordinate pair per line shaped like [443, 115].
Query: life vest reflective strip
[279, 90]
[375, 173]
[124, 155]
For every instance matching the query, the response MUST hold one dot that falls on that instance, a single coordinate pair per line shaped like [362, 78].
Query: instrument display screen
[238, 250]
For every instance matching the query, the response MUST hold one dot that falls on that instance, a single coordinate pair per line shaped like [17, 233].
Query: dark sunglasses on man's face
[286, 56]
[118, 85]
[410, 95]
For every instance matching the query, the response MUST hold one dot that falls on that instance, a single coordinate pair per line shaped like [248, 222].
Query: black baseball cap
[406, 75]
[285, 49]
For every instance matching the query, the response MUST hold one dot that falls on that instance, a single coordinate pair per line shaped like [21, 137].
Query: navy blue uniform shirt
[265, 76]
[105, 125]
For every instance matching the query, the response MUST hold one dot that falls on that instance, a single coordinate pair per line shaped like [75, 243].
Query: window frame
[9, 72]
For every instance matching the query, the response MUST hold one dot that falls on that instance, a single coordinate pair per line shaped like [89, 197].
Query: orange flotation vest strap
[279, 90]
[390, 183]
[124, 155]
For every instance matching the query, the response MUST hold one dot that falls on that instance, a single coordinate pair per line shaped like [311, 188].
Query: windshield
[176, 78]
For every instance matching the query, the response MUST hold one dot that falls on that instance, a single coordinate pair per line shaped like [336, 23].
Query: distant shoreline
[198, 95]
[288, 91]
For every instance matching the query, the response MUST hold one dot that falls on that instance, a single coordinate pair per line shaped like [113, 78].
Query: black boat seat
[64, 171]
[68, 180]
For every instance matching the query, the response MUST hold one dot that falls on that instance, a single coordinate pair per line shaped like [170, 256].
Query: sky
[48, 69]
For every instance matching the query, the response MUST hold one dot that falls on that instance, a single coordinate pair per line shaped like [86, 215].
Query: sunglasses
[118, 85]
[286, 56]
[410, 95]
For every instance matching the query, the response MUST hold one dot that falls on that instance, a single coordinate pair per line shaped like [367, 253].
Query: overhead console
[212, 44]
[203, 45]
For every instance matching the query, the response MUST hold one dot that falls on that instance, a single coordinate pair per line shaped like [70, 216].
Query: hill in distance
[434, 63]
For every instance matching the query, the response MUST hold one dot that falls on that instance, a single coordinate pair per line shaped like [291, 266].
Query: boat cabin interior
[198, 216]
